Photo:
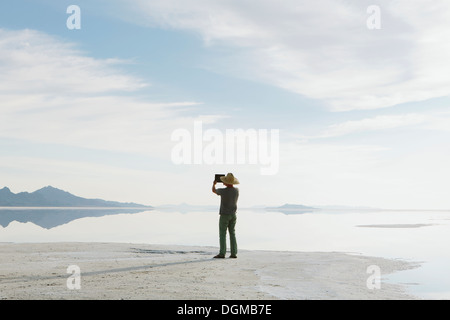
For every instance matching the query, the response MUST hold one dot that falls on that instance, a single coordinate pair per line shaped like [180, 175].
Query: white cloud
[52, 93]
[416, 122]
[323, 49]
[34, 62]
[439, 122]
[376, 124]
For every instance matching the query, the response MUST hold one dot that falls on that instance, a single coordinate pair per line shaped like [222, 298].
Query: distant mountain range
[292, 209]
[298, 208]
[286, 208]
[34, 207]
[53, 197]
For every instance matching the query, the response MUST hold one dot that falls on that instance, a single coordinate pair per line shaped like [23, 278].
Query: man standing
[228, 206]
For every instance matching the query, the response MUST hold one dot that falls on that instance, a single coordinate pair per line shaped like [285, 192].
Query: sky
[345, 101]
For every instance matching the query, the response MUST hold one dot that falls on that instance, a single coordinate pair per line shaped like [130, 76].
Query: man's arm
[214, 187]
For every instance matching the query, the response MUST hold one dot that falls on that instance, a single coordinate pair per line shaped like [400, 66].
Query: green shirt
[228, 200]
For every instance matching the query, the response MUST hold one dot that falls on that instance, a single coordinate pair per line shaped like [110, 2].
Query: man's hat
[229, 179]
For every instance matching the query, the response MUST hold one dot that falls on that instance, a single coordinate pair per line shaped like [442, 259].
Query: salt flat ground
[144, 271]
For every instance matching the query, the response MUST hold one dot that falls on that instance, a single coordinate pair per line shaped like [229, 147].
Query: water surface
[417, 236]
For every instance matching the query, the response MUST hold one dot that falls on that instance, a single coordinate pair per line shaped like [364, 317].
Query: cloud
[34, 62]
[374, 124]
[430, 121]
[439, 122]
[323, 49]
[50, 92]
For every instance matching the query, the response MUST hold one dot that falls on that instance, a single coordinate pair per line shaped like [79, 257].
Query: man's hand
[214, 187]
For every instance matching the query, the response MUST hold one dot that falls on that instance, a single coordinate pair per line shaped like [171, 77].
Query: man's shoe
[233, 256]
[219, 256]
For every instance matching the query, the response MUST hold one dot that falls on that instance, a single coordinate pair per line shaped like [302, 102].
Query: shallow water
[417, 236]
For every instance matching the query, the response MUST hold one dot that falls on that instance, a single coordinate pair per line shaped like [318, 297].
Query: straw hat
[229, 179]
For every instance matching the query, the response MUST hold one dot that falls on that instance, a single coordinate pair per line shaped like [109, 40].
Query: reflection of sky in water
[318, 231]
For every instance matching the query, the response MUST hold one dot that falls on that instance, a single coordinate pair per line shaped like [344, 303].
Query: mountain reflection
[52, 217]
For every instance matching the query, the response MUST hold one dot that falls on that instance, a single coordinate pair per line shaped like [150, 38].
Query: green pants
[227, 221]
